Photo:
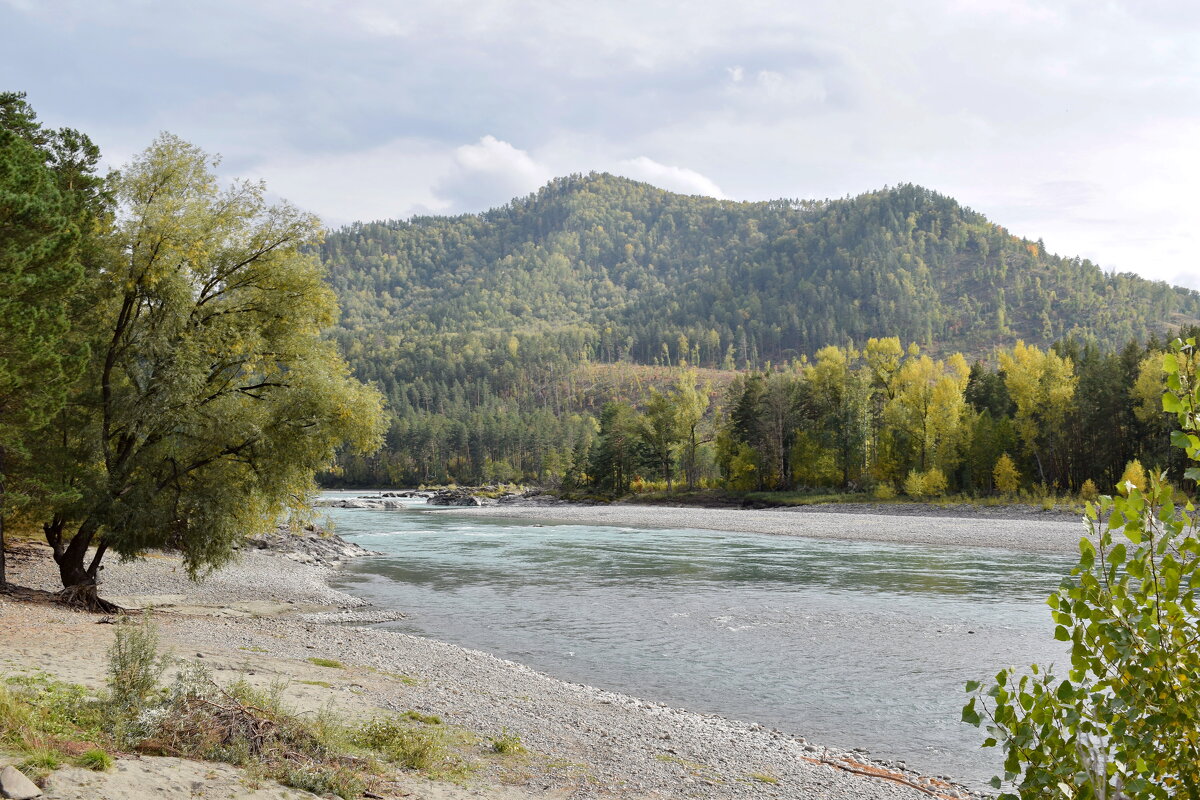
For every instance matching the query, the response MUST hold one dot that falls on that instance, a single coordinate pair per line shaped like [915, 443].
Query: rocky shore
[267, 616]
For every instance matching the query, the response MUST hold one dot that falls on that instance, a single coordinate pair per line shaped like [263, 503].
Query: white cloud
[1074, 121]
[391, 181]
[675, 179]
[489, 173]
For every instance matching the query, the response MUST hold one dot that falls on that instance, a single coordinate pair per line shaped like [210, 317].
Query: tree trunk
[80, 583]
[3, 575]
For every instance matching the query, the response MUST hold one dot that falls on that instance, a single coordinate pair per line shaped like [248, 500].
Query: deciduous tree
[212, 396]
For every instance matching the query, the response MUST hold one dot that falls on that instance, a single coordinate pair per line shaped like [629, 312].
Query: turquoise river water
[847, 644]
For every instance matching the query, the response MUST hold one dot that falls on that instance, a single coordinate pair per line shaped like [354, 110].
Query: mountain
[485, 315]
[624, 270]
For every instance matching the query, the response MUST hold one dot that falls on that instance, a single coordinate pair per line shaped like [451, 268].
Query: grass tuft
[327, 662]
[96, 760]
[507, 743]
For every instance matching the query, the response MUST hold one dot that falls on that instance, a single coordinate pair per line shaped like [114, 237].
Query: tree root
[84, 596]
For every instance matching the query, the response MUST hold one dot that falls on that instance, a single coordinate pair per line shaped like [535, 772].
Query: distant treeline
[884, 417]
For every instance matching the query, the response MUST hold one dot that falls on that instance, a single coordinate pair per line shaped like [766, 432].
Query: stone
[15, 786]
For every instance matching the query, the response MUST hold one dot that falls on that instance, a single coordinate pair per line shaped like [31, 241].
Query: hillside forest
[603, 334]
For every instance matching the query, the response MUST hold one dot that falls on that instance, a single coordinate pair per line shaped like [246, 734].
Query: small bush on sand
[134, 665]
[507, 743]
[412, 748]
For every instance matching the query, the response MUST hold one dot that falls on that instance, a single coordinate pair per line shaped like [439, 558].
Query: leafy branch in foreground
[1125, 722]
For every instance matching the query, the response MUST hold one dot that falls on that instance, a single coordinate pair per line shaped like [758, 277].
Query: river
[852, 645]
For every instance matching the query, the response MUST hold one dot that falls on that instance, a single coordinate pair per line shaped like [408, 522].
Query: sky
[1074, 122]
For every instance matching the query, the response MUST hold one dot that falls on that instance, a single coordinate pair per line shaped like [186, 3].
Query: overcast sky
[1076, 122]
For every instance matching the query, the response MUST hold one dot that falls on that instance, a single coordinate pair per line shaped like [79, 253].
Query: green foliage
[40, 762]
[1123, 723]
[212, 397]
[1088, 491]
[39, 267]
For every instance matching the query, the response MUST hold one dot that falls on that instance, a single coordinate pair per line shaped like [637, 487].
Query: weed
[322, 684]
[96, 760]
[413, 748]
[322, 781]
[327, 662]
[763, 777]
[40, 762]
[426, 719]
[507, 743]
[407, 680]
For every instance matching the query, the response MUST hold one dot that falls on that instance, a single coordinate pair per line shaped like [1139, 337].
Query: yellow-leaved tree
[1042, 385]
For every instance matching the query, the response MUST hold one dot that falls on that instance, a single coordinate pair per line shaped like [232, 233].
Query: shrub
[1133, 476]
[931, 483]
[935, 482]
[885, 491]
[1005, 475]
[134, 664]
[1123, 723]
[914, 484]
[1088, 491]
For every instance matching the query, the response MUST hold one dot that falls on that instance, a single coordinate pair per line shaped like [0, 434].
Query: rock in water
[454, 497]
[14, 785]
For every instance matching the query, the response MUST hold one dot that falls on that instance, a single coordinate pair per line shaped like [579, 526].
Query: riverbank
[267, 618]
[1052, 532]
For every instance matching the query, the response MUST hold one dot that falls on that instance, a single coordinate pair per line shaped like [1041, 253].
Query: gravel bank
[1026, 534]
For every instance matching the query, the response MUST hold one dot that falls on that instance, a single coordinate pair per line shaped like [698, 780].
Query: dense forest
[498, 338]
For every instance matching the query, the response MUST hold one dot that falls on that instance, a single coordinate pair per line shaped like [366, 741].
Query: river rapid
[849, 644]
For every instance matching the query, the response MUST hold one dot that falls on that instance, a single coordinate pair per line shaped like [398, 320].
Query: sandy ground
[1053, 532]
[265, 617]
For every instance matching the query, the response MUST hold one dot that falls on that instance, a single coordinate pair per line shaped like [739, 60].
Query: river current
[847, 644]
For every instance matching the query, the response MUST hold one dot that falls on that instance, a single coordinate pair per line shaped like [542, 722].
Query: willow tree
[212, 397]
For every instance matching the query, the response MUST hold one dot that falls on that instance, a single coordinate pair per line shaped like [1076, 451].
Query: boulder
[14, 785]
[454, 497]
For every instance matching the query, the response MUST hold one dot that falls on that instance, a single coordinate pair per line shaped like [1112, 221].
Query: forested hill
[498, 337]
[619, 269]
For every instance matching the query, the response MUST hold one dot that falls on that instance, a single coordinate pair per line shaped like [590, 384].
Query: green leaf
[1171, 404]
[1062, 634]
[970, 715]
